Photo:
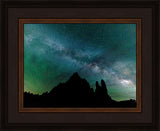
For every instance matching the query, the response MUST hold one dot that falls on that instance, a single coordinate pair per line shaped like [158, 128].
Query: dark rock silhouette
[76, 92]
[101, 95]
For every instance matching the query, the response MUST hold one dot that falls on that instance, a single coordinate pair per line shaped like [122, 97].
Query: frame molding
[5, 4]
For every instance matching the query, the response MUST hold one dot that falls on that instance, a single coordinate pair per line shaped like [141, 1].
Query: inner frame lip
[80, 21]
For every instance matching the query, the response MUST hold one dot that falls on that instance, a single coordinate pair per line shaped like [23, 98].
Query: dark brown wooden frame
[154, 5]
[113, 21]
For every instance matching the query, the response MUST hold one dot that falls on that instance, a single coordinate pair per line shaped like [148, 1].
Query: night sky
[53, 52]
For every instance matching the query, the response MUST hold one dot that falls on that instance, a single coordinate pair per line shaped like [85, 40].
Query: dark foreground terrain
[76, 92]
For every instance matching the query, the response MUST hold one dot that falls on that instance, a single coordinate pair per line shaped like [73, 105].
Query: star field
[53, 52]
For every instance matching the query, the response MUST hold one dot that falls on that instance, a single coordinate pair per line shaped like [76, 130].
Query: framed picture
[51, 65]
[79, 65]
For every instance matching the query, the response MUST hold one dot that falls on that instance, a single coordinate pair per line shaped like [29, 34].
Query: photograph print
[78, 64]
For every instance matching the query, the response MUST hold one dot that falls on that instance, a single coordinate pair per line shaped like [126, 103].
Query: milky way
[53, 52]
